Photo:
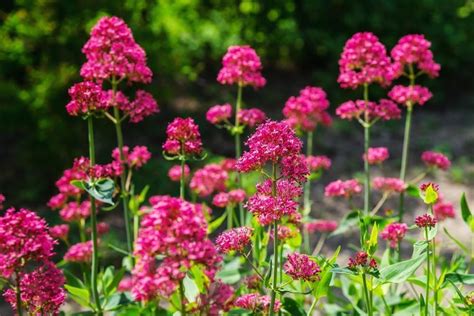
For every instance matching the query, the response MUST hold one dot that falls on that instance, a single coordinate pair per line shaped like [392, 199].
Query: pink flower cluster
[318, 163]
[86, 97]
[376, 155]
[385, 109]
[410, 95]
[443, 209]
[346, 188]
[42, 291]
[134, 159]
[183, 137]
[80, 252]
[113, 54]
[232, 197]
[362, 260]
[268, 207]
[219, 298]
[389, 184]
[301, 267]
[414, 49]
[235, 239]
[436, 160]
[307, 110]
[209, 179]
[24, 238]
[142, 106]
[284, 233]
[219, 114]
[75, 211]
[322, 226]
[251, 117]
[364, 60]
[394, 232]
[257, 303]
[270, 143]
[241, 65]
[228, 164]
[59, 231]
[175, 173]
[425, 220]
[177, 231]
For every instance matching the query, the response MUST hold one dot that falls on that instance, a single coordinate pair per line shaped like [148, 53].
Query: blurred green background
[299, 43]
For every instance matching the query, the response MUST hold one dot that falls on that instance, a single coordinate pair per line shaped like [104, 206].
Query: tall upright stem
[307, 194]
[124, 190]
[427, 272]
[18, 294]
[406, 145]
[366, 294]
[182, 178]
[181, 297]
[95, 252]
[275, 248]
[366, 149]
[238, 149]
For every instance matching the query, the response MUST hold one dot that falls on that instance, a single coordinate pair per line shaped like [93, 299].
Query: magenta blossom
[59, 231]
[362, 260]
[425, 220]
[242, 66]
[210, 179]
[394, 233]
[183, 137]
[219, 114]
[443, 210]
[251, 117]
[410, 95]
[307, 110]
[175, 173]
[318, 163]
[414, 49]
[219, 298]
[86, 98]
[385, 110]
[322, 226]
[364, 60]
[376, 155]
[301, 267]
[234, 240]
[256, 302]
[135, 159]
[75, 211]
[389, 185]
[346, 188]
[80, 252]
[113, 54]
[436, 160]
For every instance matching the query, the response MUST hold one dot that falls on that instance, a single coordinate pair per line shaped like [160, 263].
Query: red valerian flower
[436, 160]
[209, 179]
[251, 117]
[317, 163]
[346, 188]
[322, 226]
[80, 252]
[389, 184]
[183, 137]
[394, 232]
[257, 303]
[175, 173]
[219, 114]
[410, 95]
[86, 97]
[301, 267]
[235, 239]
[385, 109]
[425, 220]
[376, 155]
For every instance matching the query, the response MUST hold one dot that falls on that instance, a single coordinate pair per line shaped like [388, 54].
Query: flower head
[183, 137]
[317, 163]
[86, 97]
[394, 232]
[24, 237]
[209, 179]
[322, 226]
[80, 252]
[410, 95]
[59, 231]
[284, 233]
[175, 173]
[436, 160]
[308, 109]
[364, 60]
[425, 220]
[41, 290]
[219, 298]
[144, 105]
[342, 188]
[135, 159]
[241, 65]
[362, 260]
[75, 211]
[256, 303]
[112, 53]
[385, 109]
[443, 210]
[235, 239]
[301, 267]
[389, 184]
[219, 114]
[251, 117]
[414, 49]
[376, 155]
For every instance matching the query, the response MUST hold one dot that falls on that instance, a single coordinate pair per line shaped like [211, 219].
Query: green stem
[229, 211]
[275, 248]
[366, 294]
[366, 149]
[435, 279]
[238, 149]
[181, 297]
[124, 193]
[427, 273]
[95, 252]
[307, 194]
[18, 295]
[312, 307]
[182, 177]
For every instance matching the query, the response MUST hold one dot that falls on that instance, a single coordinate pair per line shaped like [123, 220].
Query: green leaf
[112, 302]
[191, 290]
[292, 307]
[230, 272]
[419, 248]
[465, 210]
[112, 284]
[456, 241]
[80, 295]
[339, 270]
[463, 278]
[349, 221]
[413, 191]
[102, 190]
[373, 240]
[430, 196]
[80, 184]
[199, 278]
[216, 223]
[461, 296]
[432, 232]
[400, 271]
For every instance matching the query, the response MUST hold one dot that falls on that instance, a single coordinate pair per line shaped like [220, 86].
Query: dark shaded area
[299, 42]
